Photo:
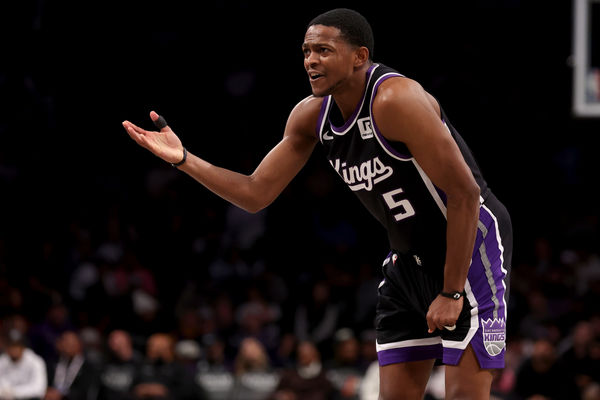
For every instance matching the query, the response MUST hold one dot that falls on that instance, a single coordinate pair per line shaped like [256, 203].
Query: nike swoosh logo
[327, 136]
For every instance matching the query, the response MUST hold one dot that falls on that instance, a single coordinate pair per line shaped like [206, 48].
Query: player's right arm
[250, 192]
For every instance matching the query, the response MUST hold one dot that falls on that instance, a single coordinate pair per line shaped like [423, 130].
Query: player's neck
[348, 95]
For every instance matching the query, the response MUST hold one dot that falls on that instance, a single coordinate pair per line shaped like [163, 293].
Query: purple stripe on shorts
[478, 279]
[412, 353]
[489, 293]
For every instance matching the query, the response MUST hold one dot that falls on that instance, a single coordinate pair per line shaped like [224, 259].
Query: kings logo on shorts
[494, 335]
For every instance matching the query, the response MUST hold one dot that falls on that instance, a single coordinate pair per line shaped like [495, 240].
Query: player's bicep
[288, 157]
[410, 117]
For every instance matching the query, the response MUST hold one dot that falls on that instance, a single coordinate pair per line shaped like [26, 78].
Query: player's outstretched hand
[164, 143]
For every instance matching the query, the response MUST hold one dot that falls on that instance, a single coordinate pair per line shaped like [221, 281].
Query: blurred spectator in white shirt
[22, 372]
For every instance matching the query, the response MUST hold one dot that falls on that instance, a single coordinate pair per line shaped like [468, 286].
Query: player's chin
[317, 92]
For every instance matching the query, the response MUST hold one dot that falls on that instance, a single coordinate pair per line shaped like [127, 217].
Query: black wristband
[453, 295]
[177, 164]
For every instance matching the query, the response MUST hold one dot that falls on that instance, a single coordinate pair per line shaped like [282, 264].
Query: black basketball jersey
[386, 178]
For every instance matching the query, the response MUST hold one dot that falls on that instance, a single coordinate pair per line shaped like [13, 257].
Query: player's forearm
[462, 215]
[238, 189]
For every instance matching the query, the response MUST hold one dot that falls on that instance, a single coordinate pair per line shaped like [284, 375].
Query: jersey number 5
[406, 209]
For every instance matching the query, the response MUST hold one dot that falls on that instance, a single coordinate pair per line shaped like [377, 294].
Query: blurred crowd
[176, 299]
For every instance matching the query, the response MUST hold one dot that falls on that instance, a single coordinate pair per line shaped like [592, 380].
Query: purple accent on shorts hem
[412, 353]
[452, 356]
[477, 276]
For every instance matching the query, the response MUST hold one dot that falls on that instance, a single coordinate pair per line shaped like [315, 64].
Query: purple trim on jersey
[359, 106]
[412, 353]
[382, 139]
[442, 195]
[321, 115]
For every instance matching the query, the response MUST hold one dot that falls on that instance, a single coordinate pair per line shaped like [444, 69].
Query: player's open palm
[164, 143]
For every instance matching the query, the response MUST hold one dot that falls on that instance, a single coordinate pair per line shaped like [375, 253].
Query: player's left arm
[404, 111]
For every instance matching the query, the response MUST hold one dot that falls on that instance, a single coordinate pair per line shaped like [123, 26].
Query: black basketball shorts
[408, 289]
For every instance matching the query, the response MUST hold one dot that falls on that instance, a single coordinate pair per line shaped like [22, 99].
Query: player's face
[328, 59]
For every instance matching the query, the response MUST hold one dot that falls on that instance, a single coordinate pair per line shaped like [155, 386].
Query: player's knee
[407, 392]
[458, 391]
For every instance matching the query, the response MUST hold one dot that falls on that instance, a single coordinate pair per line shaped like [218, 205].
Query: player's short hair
[353, 26]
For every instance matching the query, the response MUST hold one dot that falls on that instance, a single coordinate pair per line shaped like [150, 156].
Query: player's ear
[361, 56]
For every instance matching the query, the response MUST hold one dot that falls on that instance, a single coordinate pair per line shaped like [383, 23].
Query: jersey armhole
[322, 117]
[385, 144]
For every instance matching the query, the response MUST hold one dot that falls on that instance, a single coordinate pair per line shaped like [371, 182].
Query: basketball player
[444, 291]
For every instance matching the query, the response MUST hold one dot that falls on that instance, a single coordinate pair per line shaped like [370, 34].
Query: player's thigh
[467, 380]
[404, 381]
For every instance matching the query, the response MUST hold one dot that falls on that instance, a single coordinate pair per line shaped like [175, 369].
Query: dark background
[499, 68]
[226, 75]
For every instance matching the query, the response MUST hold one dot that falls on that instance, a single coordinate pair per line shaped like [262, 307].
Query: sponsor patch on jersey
[494, 335]
[365, 127]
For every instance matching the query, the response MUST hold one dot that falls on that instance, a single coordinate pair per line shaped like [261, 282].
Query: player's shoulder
[399, 89]
[308, 106]
[305, 115]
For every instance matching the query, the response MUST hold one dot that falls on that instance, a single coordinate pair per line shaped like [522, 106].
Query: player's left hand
[443, 312]
[163, 143]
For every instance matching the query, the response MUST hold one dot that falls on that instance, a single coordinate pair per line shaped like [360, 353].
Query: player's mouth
[314, 76]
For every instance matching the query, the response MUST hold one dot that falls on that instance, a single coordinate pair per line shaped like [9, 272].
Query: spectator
[284, 355]
[504, 379]
[44, 334]
[317, 318]
[160, 376]
[307, 380]
[542, 376]
[73, 377]
[369, 386]
[213, 375]
[22, 372]
[253, 377]
[436, 388]
[576, 358]
[188, 354]
[117, 373]
[257, 317]
[591, 392]
[344, 370]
